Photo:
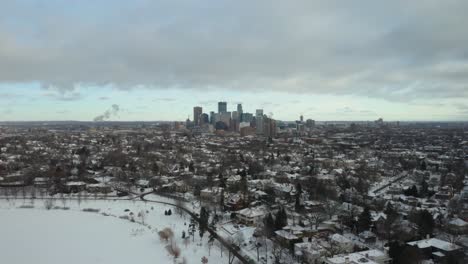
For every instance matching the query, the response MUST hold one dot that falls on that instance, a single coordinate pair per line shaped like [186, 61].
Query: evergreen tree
[269, 225]
[423, 165]
[244, 186]
[281, 219]
[191, 167]
[392, 215]
[425, 223]
[209, 180]
[197, 190]
[297, 204]
[394, 250]
[390, 211]
[413, 191]
[204, 216]
[155, 168]
[298, 188]
[365, 220]
[424, 189]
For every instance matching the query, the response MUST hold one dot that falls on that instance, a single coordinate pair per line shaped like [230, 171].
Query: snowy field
[106, 235]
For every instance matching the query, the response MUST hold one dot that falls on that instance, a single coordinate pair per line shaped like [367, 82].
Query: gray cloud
[62, 93]
[396, 50]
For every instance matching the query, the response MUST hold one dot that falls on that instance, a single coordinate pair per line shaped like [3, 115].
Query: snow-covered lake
[56, 236]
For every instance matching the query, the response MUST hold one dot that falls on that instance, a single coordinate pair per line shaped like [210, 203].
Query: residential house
[251, 216]
[439, 250]
[372, 256]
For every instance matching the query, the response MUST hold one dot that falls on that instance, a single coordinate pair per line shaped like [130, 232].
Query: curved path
[232, 249]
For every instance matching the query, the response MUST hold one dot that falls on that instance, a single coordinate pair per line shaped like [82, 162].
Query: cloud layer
[394, 50]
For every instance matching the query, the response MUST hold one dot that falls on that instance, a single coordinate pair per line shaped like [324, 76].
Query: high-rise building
[247, 117]
[235, 121]
[310, 123]
[269, 127]
[197, 111]
[212, 118]
[302, 118]
[259, 121]
[235, 115]
[222, 107]
[240, 111]
[225, 117]
[204, 119]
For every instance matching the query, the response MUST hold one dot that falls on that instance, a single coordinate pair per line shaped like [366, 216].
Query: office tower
[310, 123]
[247, 117]
[212, 117]
[302, 118]
[204, 119]
[239, 108]
[269, 127]
[225, 117]
[259, 121]
[235, 121]
[222, 107]
[197, 111]
[235, 115]
[240, 111]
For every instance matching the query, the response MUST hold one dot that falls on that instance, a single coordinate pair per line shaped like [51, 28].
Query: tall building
[212, 118]
[197, 111]
[259, 121]
[225, 117]
[204, 119]
[222, 107]
[310, 123]
[235, 121]
[269, 127]
[240, 112]
[247, 117]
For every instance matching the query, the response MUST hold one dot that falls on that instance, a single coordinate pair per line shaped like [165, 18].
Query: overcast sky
[327, 60]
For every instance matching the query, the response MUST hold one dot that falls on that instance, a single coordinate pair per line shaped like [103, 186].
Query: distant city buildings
[222, 107]
[259, 121]
[246, 124]
[247, 117]
[240, 112]
[197, 112]
[310, 123]
[236, 121]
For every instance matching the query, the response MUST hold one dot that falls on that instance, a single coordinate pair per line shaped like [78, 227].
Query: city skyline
[325, 60]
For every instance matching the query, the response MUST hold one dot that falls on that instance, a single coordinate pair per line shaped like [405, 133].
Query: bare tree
[142, 216]
[48, 203]
[173, 250]
[278, 252]
[166, 234]
[314, 220]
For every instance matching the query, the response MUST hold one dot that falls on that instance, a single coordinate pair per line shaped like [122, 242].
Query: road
[399, 178]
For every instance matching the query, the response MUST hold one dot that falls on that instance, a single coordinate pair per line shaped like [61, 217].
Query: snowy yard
[38, 235]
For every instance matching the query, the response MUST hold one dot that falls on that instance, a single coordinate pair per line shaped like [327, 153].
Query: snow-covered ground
[37, 235]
